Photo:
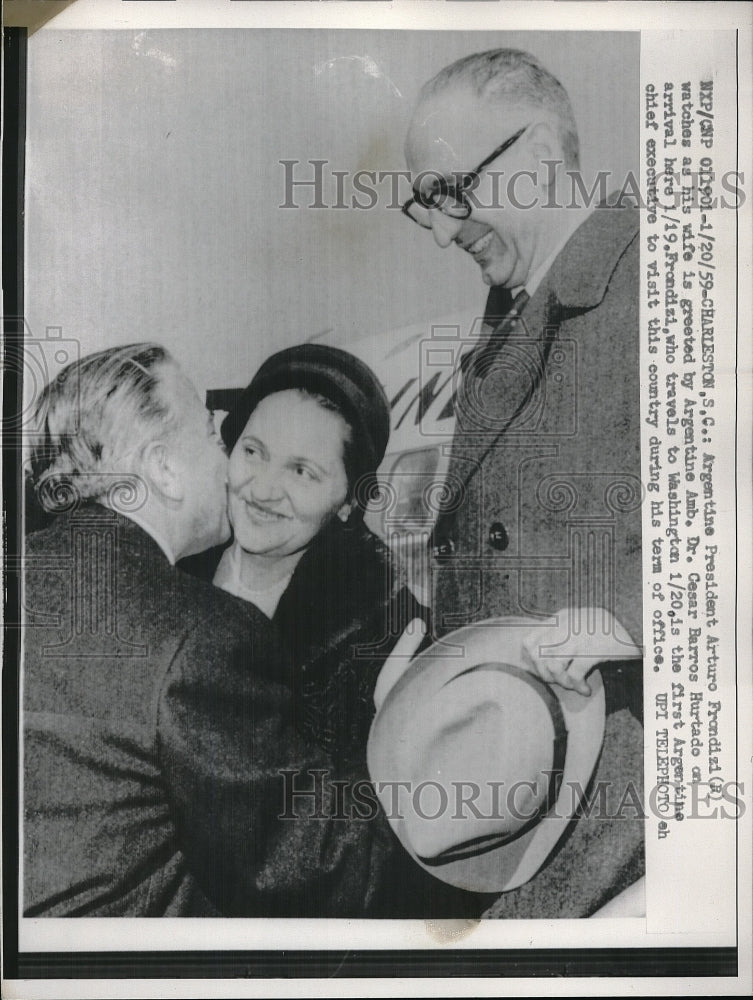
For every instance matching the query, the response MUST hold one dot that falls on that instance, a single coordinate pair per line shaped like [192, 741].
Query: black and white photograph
[374, 534]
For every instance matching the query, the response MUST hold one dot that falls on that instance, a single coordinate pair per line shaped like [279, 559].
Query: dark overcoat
[342, 612]
[157, 724]
[339, 618]
[546, 514]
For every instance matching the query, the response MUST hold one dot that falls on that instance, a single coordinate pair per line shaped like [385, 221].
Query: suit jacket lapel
[567, 290]
[499, 379]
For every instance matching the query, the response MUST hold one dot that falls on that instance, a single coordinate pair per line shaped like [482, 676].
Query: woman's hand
[399, 659]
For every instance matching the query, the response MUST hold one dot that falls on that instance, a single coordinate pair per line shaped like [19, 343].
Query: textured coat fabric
[338, 619]
[545, 471]
[546, 456]
[340, 616]
[157, 720]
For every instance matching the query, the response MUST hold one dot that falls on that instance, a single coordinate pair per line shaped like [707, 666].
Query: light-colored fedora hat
[493, 762]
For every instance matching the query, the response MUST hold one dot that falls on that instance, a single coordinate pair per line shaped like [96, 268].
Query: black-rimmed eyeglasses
[451, 198]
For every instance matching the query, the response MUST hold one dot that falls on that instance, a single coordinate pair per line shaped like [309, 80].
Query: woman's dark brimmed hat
[341, 378]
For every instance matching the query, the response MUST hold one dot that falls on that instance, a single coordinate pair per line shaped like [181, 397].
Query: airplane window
[415, 477]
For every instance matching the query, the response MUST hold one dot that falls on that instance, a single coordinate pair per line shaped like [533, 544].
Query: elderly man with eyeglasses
[545, 467]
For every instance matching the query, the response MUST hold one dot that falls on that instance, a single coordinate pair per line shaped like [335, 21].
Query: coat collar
[576, 282]
[94, 515]
[581, 273]
[579, 277]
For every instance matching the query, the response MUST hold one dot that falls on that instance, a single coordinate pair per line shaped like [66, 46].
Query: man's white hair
[512, 78]
[95, 418]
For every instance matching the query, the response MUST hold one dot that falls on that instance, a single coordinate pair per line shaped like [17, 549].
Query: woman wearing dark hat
[305, 440]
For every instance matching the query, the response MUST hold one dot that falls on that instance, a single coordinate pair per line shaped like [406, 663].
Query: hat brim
[494, 866]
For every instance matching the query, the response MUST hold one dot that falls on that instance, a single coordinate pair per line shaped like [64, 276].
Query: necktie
[509, 324]
[478, 363]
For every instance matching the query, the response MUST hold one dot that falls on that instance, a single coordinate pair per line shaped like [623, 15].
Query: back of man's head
[512, 78]
[95, 418]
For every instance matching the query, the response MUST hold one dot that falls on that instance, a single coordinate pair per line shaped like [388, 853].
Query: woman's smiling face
[287, 475]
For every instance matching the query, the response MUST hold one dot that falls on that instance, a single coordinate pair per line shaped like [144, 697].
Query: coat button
[443, 548]
[498, 538]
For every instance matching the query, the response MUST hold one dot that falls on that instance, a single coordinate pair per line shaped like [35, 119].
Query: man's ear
[162, 473]
[546, 148]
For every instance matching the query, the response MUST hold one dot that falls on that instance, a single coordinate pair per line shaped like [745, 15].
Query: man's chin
[494, 276]
[222, 535]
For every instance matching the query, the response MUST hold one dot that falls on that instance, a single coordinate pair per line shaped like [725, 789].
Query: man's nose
[444, 228]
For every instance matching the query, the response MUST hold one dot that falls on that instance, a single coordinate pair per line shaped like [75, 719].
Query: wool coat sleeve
[232, 764]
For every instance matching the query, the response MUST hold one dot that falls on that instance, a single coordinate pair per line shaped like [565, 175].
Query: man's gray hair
[513, 78]
[94, 419]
